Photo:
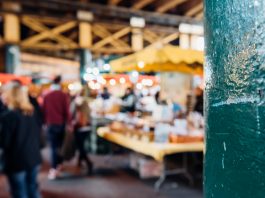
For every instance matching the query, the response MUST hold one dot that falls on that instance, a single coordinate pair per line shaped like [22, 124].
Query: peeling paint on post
[235, 101]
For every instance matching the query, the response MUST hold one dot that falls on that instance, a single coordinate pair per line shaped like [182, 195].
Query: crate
[147, 168]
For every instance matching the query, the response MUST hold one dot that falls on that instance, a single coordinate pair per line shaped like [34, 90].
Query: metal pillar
[235, 102]
[85, 61]
[12, 58]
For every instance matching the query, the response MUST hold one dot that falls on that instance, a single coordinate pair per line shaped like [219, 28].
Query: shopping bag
[68, 148]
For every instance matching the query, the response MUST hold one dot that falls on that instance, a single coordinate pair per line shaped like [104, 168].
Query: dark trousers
[80, 138]
[56, 136]
[24, 184]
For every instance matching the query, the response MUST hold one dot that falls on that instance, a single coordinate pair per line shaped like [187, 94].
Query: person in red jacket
[56, 116]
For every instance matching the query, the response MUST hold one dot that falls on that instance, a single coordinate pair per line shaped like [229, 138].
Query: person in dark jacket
[19, 140]
[56, 111]
[105, 95]
[128, 101]
[33, 90]
[199, 100]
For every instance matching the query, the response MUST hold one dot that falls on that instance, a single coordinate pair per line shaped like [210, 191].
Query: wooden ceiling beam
[100, 11]
[150, 36]
[108, 50]
[49, 46]
[164, 40]
[103, 33]
[55, 47]
[167, 5]
[114, 2]
[45, 32]
[141, 4]
[194, 10]
[199, 15]
[112, 38]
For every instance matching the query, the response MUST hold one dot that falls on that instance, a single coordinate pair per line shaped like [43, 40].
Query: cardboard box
[147, 168]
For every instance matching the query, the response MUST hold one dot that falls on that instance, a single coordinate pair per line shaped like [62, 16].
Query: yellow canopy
[168, 58]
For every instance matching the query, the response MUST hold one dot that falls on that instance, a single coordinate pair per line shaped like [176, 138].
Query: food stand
[147, 138]
[157, 151]
[153, 149]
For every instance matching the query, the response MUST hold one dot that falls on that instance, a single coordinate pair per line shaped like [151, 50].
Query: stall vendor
[128, 101]
[105, 95]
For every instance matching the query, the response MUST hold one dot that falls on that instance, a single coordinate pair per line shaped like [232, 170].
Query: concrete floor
[110, 180]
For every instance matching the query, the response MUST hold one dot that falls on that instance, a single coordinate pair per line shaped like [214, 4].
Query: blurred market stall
[166, 59]
[4, 78]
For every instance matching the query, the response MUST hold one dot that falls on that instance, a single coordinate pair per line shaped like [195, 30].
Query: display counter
[157, 151]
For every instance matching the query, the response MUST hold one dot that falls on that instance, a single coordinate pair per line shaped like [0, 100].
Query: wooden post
[85, 35]
[184, 41]
[11, 37]
[11, 28]
[137, 39]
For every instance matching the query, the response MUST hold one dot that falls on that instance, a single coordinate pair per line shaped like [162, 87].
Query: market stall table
[158, 151]
[96, 123]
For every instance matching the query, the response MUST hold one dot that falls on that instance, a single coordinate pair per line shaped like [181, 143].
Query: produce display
[146, 130]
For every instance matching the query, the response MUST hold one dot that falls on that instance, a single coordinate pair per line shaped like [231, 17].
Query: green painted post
[235, 101]
[85, 61]
[12, 58]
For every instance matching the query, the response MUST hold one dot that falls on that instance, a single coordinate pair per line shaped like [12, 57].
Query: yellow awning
[168, 58]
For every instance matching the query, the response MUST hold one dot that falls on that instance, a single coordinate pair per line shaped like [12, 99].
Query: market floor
[110, 180]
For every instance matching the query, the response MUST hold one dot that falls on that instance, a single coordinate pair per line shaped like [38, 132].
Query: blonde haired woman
[20, 141]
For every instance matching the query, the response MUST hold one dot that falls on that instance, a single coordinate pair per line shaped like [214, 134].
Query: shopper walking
[56, 116]
[20, 141]
[81, 121]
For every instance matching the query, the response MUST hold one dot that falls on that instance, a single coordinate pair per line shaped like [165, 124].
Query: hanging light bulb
[141, 64]
[139, 85]
[106, 67]
[112, 82]
[122, 80]
[95, 71]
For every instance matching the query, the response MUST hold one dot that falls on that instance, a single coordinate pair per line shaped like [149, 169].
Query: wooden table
[158, 151]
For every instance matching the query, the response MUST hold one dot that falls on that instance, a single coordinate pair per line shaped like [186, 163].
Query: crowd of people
[25, 117]
[22, 120]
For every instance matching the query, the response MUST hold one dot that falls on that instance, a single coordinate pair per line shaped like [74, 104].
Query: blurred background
[138, 64]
